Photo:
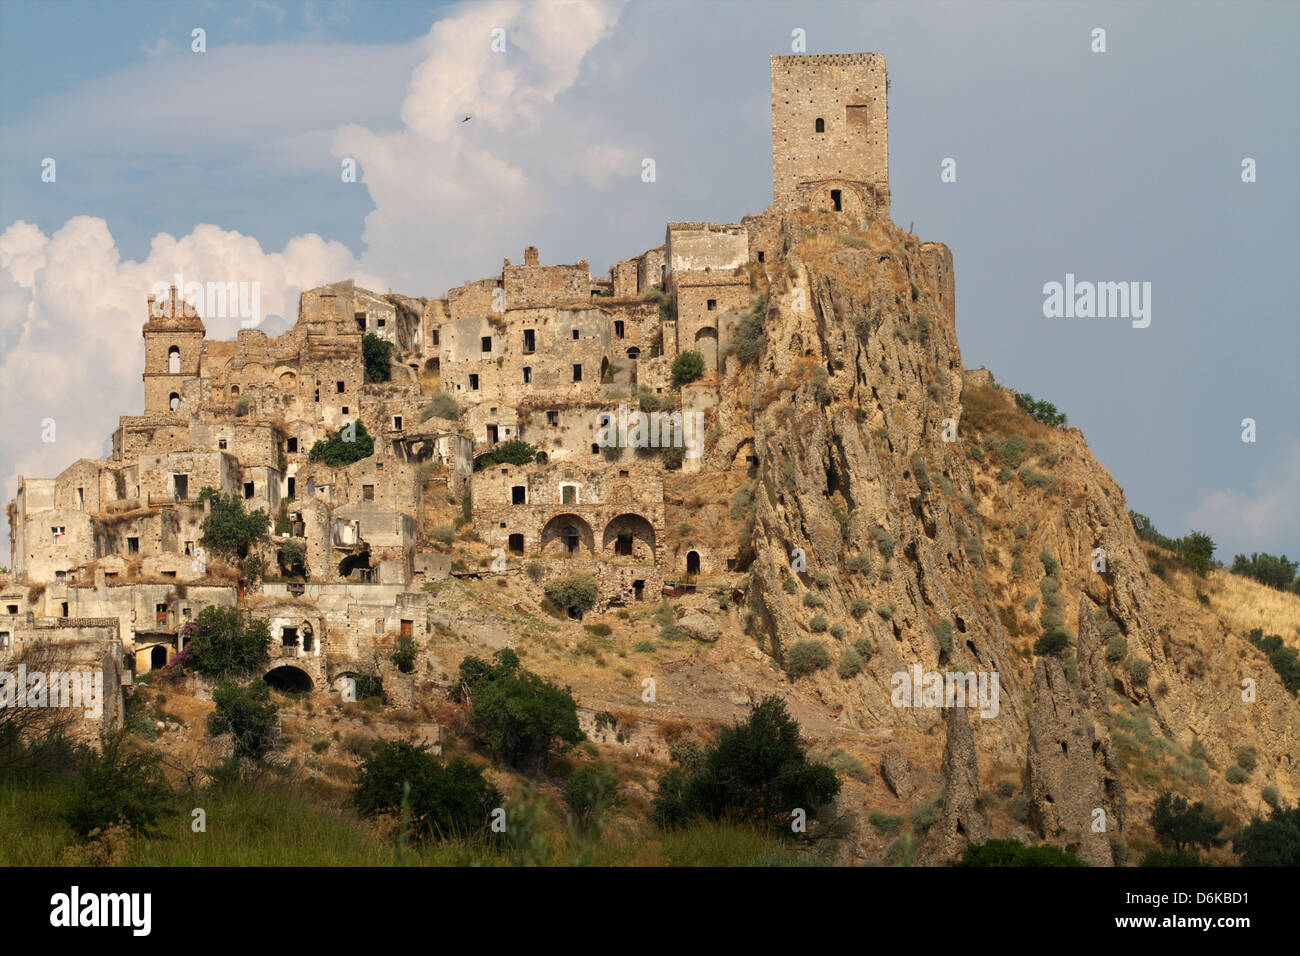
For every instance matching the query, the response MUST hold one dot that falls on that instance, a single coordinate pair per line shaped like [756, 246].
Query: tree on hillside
[377, 353]
[226, 528]
[1184, 825]
[350, 443]
[219, 643]
[687, 367]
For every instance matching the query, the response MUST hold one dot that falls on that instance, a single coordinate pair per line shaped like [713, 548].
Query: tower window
[528, 374]
[821, 125]
[173, 360]
[712, 305]
[618, 328]
[577, 373]
[473, 383]
[836, 200]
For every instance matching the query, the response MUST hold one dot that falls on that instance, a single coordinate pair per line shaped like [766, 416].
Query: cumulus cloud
[442, 191]
[71, 316]
[1264, 518]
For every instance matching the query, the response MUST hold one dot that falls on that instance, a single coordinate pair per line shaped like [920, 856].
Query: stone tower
[173, 339]
[830, 134]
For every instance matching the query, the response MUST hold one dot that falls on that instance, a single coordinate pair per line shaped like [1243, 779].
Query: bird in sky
[467, 119]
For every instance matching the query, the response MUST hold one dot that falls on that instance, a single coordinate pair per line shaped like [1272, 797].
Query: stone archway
[692, 563]
[158, 657]
[706, 343]
[567, 534]
[286, 677]
[629, 535]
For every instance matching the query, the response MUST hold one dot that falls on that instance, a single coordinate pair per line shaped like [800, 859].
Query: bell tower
[173, 339]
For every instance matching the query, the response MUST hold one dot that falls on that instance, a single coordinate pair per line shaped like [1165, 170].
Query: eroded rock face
[896, 772]
[1094, 682]
[962, 819]
[1064, 788]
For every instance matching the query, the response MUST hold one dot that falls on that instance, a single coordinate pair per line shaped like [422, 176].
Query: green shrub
[1018, 809]
[513, 452]
[336, 451]
[1181, 824]
[118, 783]
[377, 353]
[822, 579]
[221, 644]
[863, 646]
[1053, 643]
[1005, 788]
[574, 593]
[1021, 531]
[1013, 452]
[687, 367]
[1034, 479]
[1043, 412]
[248, 715]
[443, 533]
[1271, 842]
[943, 633]
[924, 815]
[857, 564]
[590, 791]
[1236, 774]
[1285, 660]
[850, 664]
[1004, 475]
[885, 824]
[404, 654]
[516, 714]
[444, 800]
[818, 624]
[837, 631]
[442, 406]
[884, 541]
[741, 501]
[1275, 572]
[859, 607]
[806, 657]
[758, 772]
[1015, 853]
[292, 557]
[226, 528]
[748, 338]
[598, 630]
[1140, 670]
[812, 600]
[1116, 649]
[788, 586]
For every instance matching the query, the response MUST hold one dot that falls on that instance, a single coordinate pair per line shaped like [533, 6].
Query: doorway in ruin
[567, 534]
[290, 679]
[158, 657]
[515, 544]
[692, 563]
[638, 590]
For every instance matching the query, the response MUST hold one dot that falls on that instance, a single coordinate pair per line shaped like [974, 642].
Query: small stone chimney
[530, 256]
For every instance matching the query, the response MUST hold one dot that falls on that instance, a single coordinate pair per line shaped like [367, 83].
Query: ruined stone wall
[704, 300]
[529, 286]
[937, 259]
[847, 94]
[149, 433]
[700, 246]
[80, 486]
[649, 270]
[202, 469]
[81, 646]
[623, 277]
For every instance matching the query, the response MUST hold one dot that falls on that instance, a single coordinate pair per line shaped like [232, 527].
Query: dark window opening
[221, 443]
[435, 336]
[397, 423]
[595, 449]
[248, 489]
[486, 343]
[518, 495]
[692, 562]
[577, 373]
[515, 543]
[132, 545]
[835, 200]
[381, 322]
[361, 321]
[339, 387]
[552, 418]
[528, 374]
[492, 434]
[291, 487]
[569, 537]
[530, 341]
[638, 590]
[712, 305]
[473, 383]
[760, 255]
[293, 444]
[618, 328]
[182, 485]
[575, 335]
[821, 125]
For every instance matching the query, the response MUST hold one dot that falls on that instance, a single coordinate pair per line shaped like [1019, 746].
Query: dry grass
[988, 409]
[1241, 603]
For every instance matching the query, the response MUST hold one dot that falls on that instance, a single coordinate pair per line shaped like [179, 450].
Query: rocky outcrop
[962, 819]
[1064, 788]
[896, 771]
[700, 626]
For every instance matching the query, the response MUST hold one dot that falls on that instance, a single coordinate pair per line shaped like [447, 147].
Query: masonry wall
[848, 93]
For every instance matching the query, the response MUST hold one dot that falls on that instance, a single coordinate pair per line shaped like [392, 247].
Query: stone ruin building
[106, 554]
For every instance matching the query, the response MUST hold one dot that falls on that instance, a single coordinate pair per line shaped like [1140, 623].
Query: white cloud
[1262, 519]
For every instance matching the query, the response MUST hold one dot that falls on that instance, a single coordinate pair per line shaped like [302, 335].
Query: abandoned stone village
[107, 558]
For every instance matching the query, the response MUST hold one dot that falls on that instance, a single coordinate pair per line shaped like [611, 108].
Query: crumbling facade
[545, 354]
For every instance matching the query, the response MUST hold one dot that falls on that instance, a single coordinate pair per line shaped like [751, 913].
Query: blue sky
[1123, 165]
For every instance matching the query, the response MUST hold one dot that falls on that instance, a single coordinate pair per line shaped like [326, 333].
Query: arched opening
[837, 201]
[821, 125]
[692, 563]
[234, 391]
[605, 376]
[173, 360]
[290, 679]
[158, 657]
[542, 458]
[173, 401]
[634, 353]
[515, 543]
[567, 534]
[706, 343]
[287, 379]
[630, 535]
